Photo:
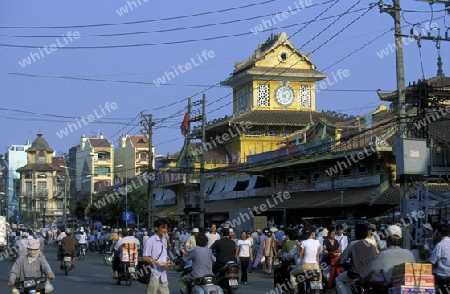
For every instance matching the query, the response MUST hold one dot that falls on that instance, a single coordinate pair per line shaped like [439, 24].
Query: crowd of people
[369, 248]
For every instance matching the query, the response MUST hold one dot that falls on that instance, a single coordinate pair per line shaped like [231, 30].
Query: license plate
[316, 285]
[131, 269]
[67, 258]
[233, 282]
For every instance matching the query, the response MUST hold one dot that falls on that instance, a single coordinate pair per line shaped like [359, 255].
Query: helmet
[81, 229]
[68, 231]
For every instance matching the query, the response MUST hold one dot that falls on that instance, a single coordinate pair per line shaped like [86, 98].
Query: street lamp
[44, 209]
[126, 193]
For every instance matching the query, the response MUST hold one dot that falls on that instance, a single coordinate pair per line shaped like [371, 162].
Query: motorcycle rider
[440, 257]
[224, 249]
[308, 251]
[191, 243]
[22, 244]
[82, 240]
[34, 264]
[69, 244]
[126, 238]
[387, 259]
[360, 252]
[202, 261]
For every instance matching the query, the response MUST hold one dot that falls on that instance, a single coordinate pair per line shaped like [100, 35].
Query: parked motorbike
[66, 263]
[204, 285]
[227, 277]
[126, 272]
[31, 286]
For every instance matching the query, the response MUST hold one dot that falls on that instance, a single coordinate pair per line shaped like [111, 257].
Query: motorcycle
[32, 286]
[66, 263]
[311, 282]
[204, 285]
[177, 258]
[227, 277]
[108, 257]
[126, 272]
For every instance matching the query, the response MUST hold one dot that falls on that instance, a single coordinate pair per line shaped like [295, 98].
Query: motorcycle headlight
[29, 283]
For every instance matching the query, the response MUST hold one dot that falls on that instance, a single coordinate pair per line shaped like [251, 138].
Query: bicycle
[82, 252]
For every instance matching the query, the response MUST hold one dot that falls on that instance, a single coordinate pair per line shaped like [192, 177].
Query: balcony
[41, 194]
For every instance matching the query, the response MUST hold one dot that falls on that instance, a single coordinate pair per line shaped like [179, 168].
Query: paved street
[93, 276]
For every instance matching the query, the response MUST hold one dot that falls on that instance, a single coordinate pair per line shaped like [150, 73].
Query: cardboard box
[412, 290]
[413, 269]
[413, 280]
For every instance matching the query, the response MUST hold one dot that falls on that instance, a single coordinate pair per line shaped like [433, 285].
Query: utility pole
[202, 166]
[148, 124]
[199, 116]
[395, 12]
[189, 159]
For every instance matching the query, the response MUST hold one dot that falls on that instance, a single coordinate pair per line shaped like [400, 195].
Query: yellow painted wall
[293, 61]
[273, 85]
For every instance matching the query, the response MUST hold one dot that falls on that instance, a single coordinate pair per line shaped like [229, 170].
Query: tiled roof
[99, 142]
[389, 197]
[282, 117]
[215, 155]
[364, 138]
[392, 195]
[440, 84]
[40, 167]
[39, 144]
[139, 141]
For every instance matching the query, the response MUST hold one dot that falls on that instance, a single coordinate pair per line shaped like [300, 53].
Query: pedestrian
[212, 235]
[269, 251]
[155, 254]
[245, 255]
[259, 252]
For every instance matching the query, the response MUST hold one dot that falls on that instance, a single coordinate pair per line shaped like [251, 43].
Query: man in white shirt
[341, 238]
[212, 236]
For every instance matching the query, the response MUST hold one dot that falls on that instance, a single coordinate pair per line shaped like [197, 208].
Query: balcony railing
[36, 194]
[41, 194]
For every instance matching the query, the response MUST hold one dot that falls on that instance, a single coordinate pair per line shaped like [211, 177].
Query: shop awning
[167, 211]
[310, 203]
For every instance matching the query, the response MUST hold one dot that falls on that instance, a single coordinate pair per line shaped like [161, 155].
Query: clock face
[284, 95]
[243, 98]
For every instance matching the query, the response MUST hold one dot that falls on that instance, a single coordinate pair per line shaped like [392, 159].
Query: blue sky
[127, 51]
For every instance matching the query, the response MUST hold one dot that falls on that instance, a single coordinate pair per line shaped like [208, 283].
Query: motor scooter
[108, 257]
[32, 286]
[177, 258]
[203, 285]
[66, 262]
[126, 272]
[310, 282]
[227, 277]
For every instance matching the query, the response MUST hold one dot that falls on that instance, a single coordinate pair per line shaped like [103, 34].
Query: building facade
[39, 185]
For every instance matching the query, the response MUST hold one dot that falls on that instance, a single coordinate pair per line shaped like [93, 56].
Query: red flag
[185, 125]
